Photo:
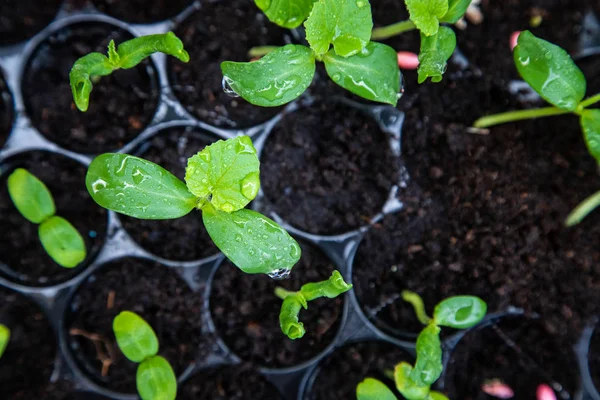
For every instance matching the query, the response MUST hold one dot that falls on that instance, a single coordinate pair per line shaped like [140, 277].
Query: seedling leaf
[289, 317]
[286, 13]
[274, 80]
[62, 242]
[405, 385]
[80, 77]
[437, 396]
[372, 389]
[133, 186]
[428, 367]
[460, 312]
[134, 51]
[426, 14]
[456, 10]
[550, 71]
[372, 74]
[135, 337]
[330, 288]
[436, 50]
[590, 124]
[155, 379]
[30, 196]
[4, 338]
[227, 171]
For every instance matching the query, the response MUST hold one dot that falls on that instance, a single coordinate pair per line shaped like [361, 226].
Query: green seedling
[155, 378]
[220, 181]
[414, 383]
[129, 54]
[551, 72]
[293, 302]
[4, 338]
[60, 239]
[339, 33]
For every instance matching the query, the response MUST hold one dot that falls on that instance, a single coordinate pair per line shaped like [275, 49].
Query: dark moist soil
[218, 32]
[327, 168]
[534, 358]
[182, 238]
[228, 383]
[141, 11]
[245, 311]
[20, 20]
[22, 257]
[337, 376]
[121, 104]
[594, 358]
[6, 111]
[153, 291]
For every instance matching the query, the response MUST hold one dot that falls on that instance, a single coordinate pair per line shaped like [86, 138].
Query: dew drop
[294, 250]
[205, 156]
[524, 61]
[227, 207]
[360, 3]
[250, 185]
[289, 49]
[226, 83]
[336, 77]
[238, 238]
[279, 274]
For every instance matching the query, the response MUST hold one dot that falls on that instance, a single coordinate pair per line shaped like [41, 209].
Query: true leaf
[456, 10]
[227, 171]
[428, 367]
[426, 14]
[135, 337]
[286, 13]
[550, 71]
[436, 396]
[155, 379]
[4, 338]
[289, 317]
[274, 80]
[136, 187]
[331, 288]
[62, 242]
[30, 196]
[460, 312]
[372, 74]
[372, 389]
[590, 124]
[435, 52]
[347, 24]
[253, 242]
[405, 385]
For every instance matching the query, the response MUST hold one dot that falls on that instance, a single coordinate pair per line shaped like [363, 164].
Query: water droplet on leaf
[250, 185]
[226, 83]
[279, 274]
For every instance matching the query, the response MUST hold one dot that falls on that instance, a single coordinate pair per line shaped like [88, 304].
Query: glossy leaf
[330, 288]
[286, 13]
[372, 74]
[62, 242]
[550, 71]
[289, 316]
[456, 10]
[227, 171]
[253, 242]
[460, 312]
[345, 24]
[274, 80]
[135, 337]
[436, 50]
[428, 367]
[437, 396]
[4, 338]
[136, 187]
[30, 196]
[406, 386]
[372, 389]
[426, 14]
[590, 124]
[155, 379]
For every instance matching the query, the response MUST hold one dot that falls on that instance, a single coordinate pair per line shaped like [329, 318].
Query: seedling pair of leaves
[551, 72]
[155, 378]
[60, 239]
[414, 383]
[339, 33]
[220, 181]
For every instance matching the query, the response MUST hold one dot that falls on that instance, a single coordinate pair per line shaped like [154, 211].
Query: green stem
[260, 51]
[417, 303]
[282, 293]
[583, 209]
[389, 373]
[590, 101]
[388, 31]
[510, 116]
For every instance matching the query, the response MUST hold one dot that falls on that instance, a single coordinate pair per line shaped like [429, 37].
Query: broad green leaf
[30, 196]
[372, 74]
[4, 338]
[372, 389]
[227, 171]
[253, 242]
[460, 312]
[62, 242]
[135, 337]
[405, 385]
[550, 71]
[428, 367]
[330, 288]
[136, 187]
[274, 80]
[289, 316]
[426, 14]
[134, 51]
[155, 379]
[347, 24]
[286, 13]
[590, 124]
[436, 50]
[437, 396]
[456, 10]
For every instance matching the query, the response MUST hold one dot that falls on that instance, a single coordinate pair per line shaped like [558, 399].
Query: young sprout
[551, 72]
[220, 181]
[414, 383]
[60, 239]
[4, 338]
[127, 55]
[155, 378]
[293, 302]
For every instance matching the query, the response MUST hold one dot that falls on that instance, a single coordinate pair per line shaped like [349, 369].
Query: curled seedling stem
[104, 349]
